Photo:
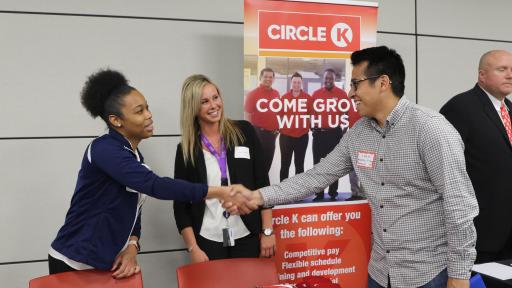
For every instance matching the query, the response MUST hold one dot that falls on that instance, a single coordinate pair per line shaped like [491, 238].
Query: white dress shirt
[213, 220]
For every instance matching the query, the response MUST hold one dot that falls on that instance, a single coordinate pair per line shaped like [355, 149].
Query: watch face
[267, 232]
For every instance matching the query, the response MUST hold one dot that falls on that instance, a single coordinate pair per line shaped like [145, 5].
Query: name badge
[242, 152]
[227, 237]
[366, 159]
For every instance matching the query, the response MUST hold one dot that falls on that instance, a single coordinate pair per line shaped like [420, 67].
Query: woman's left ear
[115, 121]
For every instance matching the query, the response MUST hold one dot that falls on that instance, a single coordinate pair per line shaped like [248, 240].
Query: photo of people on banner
[300, 110]
[296, 79]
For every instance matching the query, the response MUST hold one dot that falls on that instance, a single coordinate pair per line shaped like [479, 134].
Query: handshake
[237, 199]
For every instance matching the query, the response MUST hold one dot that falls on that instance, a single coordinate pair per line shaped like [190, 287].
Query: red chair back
[85, 278]
[228, 273]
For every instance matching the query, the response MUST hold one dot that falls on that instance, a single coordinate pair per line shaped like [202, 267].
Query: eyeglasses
[355, 82]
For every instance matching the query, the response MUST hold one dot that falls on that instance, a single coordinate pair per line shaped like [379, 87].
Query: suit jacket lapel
[231, 165]
[199, 171]
[200, 164]
[492, 114]
[509, 106]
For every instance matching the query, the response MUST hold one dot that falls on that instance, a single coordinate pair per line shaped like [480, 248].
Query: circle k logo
[341, 35]
[294, 31]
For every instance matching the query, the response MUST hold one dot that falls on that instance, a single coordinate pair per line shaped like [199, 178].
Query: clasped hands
[237, 199]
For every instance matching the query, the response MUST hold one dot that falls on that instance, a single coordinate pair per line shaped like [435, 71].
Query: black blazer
[248, 172]
[488, 162]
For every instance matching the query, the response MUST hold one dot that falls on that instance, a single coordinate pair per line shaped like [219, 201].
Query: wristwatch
[268, 232]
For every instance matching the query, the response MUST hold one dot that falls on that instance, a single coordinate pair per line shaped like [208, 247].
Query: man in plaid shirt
[410, 161]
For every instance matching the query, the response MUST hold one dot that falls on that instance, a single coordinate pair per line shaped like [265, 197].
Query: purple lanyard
[221, 159]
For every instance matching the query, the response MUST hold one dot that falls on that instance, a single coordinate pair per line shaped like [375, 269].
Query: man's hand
[125, 264]
[242, 200]
[457, 283]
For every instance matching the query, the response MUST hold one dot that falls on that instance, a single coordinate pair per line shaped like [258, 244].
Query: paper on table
[493, 269]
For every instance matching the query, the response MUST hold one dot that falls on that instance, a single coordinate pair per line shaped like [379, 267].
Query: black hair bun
[98, 88]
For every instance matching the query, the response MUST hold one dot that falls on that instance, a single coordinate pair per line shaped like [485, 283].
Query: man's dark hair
[267, 69]
[382, 61]
[330, 70]
[296, 74]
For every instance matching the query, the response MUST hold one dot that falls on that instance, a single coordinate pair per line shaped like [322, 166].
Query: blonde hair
[191, 93]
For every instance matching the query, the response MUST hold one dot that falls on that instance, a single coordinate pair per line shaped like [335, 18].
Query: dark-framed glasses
[355, 82]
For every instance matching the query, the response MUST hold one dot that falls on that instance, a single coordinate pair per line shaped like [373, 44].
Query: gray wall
[49, 47]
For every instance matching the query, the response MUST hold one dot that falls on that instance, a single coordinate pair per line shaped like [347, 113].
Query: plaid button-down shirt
[414, 175]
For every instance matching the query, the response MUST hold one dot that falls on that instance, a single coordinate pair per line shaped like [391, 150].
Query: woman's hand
[125, 264]
[267, 246]
[197, 255]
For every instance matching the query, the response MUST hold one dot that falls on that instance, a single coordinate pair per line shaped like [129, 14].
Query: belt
[325, 129]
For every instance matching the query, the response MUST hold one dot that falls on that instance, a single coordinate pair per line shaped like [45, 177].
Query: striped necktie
[505, 117]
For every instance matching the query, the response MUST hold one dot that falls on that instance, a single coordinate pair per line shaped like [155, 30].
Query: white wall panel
[18, 275]
[465, 18]
[159, 230]
[231, 10]
[395, 15]
[38, 179]
[159, 154]
[46, 60]
[448, 67]
[159, 270]
[405, 46]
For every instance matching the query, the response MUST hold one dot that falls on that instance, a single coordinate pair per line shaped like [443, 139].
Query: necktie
[506, 121]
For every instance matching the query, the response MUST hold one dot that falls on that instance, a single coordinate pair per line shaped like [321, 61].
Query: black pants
[245, 247]
[268, 146]
[324, 142]
[58, 266]
[290, 146]
[504, 253]
[483, 257]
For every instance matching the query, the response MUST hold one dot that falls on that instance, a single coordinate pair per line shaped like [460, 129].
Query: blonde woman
[218, 151]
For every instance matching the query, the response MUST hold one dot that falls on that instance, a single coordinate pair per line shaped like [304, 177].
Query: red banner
[326, 239]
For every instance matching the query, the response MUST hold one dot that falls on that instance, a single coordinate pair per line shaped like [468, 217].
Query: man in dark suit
[482, 117]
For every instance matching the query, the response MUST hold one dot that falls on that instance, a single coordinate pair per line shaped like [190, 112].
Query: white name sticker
[366, 159]
[242, 152]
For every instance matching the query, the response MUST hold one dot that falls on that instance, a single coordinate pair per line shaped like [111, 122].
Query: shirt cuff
[269, 195]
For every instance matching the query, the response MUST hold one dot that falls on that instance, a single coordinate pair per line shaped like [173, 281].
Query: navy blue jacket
[102, 213]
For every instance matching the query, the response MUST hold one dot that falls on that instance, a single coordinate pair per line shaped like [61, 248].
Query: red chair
[86, 278]
[228, 273]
